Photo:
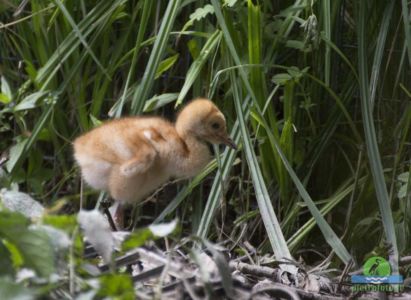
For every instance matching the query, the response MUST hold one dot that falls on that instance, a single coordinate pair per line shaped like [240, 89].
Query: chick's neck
[197, 155]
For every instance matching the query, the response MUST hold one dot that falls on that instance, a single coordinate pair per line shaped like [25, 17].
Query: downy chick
[131, 157]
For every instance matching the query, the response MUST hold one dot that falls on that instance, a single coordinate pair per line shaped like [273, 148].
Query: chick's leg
[124, 190]
[117, 210]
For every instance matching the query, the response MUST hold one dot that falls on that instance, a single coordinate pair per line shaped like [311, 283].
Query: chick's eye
[215, 125]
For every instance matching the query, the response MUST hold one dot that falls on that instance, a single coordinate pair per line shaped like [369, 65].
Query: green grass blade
[47, 110]
[327, 231]
[141, 31]
[272, 226]
[407, 28]
[221, 176]
[198, 64]
[327, 32]
[379, 51]
[371, 139]
[329, 235]
[93, 19]
[331, 202]
[80, 36]
[186, 191]
[142, 92]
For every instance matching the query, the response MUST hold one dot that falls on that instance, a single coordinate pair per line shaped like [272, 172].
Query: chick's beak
[229, 142]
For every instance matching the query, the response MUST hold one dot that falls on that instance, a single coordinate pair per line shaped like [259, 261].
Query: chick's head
[202, 119]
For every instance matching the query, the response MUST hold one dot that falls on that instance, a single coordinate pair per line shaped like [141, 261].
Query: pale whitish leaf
[402, 192]
[5, 88]
[202, 270]
[166, 64]
[159, 101]
[403, 177]
[222, 266]
[25, 274]
[97, 231]
[209, 265]
[22, 203]
[162, 230]
[312, 283]
[119, 237]
[15, 153]
[281, 78]
[229, 3]
[202, 12]
[58, 238]
[89, 295]
[198, 14]
[30, 102]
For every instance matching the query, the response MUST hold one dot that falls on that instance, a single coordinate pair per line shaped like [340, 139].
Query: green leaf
[15, 154]
[64, 222]
[116, 286]
[30, 102]
[94, 121]
[15, 254]
[137, 239]
[33, 245]
[15, 291]
[193, 48]
[6, 90]
[6, 262]
[299, 45]
[4, 99]
[159, 101]
[166, 64]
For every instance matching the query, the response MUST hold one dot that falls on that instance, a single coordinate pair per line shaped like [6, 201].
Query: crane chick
[131, 157]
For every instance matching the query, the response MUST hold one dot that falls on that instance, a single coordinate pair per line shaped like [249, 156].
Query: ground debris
[161, 275]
